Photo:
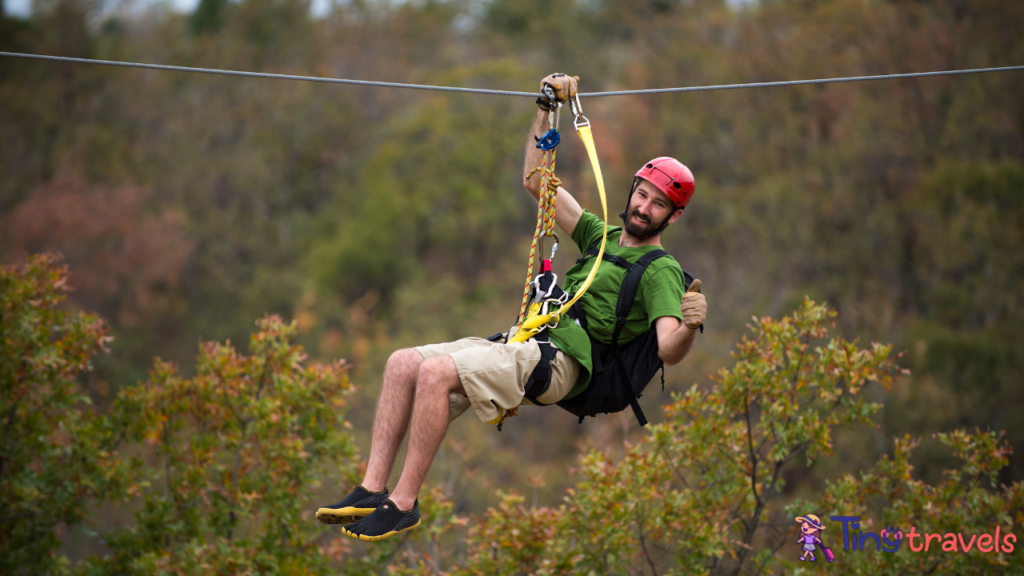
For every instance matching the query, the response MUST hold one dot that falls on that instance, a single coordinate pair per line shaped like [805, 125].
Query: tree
[703, 493]
[242, 444]
[58, 458]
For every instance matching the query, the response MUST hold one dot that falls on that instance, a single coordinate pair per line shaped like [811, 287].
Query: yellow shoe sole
[345, 515]
[382, 536]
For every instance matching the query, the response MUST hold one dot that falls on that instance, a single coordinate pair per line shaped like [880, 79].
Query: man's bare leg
[437, 377]
[394, 407]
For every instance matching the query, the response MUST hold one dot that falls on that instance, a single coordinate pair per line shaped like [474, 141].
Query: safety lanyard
[532, 325]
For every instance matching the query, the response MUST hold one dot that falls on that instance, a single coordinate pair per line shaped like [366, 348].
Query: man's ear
[675, 215]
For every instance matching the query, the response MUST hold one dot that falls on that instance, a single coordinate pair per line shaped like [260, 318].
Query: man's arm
[567, 209]
[675, 338]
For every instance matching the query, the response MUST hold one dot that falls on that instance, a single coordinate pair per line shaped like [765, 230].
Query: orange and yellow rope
[549, 184]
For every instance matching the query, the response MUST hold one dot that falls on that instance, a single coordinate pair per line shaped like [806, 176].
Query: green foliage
[58, 458]
[701, 493]
[242, 443]
[967, 502]
[451, 211]
[515, 539]
[700, 489]
[236, 450]
[208, 17]
[239, 446]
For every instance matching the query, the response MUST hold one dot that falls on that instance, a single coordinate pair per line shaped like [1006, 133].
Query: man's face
[648, 210]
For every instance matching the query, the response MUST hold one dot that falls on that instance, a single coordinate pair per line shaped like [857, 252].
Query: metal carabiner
[577, 112]
[554, 247]
[556, 107]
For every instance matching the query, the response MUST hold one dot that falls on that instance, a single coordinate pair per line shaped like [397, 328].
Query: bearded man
[428, 386]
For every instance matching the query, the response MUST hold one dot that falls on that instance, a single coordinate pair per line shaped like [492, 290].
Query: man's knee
[438, 373]
[406, 361]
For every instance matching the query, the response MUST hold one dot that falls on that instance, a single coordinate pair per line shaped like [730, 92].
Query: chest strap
[623, 263]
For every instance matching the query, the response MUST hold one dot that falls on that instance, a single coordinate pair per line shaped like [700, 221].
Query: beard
[646, 229]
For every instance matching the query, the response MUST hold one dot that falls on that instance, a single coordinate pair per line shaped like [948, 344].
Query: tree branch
[7, 431]
[643, 544]
[774, 550]
[686, 484]
[6, 519]
[753, 456]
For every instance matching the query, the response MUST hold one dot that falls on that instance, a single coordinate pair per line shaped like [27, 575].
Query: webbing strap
[624, 377]
[592, 251]
[630, 284]
[627, 293]
[540, 378]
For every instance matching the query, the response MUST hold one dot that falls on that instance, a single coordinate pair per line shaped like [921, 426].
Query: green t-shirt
[660, 293]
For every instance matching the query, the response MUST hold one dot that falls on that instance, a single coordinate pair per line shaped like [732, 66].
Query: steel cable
[505, 92]
[800, 82]
[265, 75]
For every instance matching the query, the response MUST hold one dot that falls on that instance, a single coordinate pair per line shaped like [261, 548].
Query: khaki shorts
[495, 374]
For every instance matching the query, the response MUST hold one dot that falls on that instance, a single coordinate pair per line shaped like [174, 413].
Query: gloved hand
[694, 307]
[564, 86]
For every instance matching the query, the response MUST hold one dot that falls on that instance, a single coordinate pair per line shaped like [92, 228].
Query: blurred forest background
[188, 206]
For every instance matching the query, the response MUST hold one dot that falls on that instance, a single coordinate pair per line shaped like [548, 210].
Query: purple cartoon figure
[810, 537]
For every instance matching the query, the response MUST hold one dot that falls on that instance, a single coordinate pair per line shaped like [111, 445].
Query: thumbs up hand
[694, 307]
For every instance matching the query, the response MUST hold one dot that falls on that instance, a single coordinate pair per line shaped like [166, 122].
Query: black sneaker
[386, 521]
[356, 506]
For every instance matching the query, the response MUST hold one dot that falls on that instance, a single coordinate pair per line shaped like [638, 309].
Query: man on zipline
[429, 386]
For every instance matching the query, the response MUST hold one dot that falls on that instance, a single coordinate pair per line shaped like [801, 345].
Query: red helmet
[671, 177]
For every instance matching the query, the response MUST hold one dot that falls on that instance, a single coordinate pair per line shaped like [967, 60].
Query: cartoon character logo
[891, 538]
[810, 537]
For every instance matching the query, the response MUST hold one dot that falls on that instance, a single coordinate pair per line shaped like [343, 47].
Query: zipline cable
[801, 82]
[506, 92]
[264, 75]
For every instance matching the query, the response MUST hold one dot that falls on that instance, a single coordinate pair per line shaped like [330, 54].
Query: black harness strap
[593, 249]
[626, 295]
[540, 378]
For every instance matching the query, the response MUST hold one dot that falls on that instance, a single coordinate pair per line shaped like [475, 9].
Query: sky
[23, 8]
[17, 7]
